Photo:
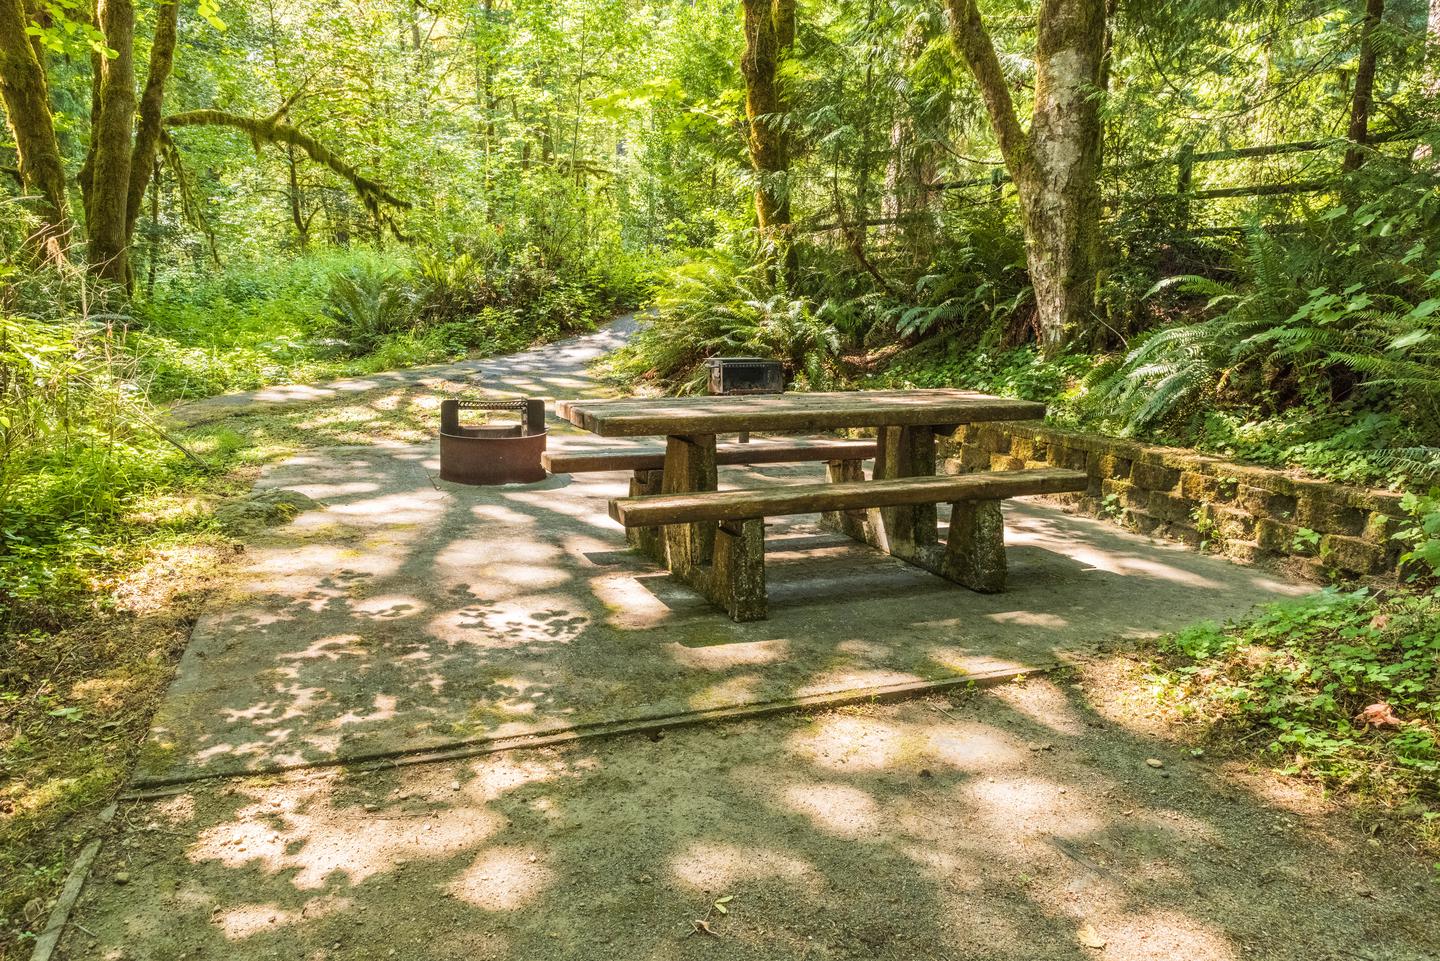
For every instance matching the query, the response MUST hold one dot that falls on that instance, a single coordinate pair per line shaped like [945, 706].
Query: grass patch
[75, 704]
[1341, 688]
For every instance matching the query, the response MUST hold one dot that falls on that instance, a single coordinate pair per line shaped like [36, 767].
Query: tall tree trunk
[769, 32]
[1360, 101]
[1055, 165]
[111, 142]
[911, 168]
[1432, 69]
[27, 106]
[147, 129]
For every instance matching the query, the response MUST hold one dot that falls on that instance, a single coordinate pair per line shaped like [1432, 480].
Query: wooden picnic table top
[635, 417]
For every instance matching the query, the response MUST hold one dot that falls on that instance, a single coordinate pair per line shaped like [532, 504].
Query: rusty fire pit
[492, 453]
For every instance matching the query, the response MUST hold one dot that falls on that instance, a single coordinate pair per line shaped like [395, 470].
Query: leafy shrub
[1340, 321]
[365, 304]
[718, 303]
[1340, 686]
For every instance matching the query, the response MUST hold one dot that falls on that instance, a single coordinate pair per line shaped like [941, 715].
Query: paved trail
[409, 615]
[561, 365]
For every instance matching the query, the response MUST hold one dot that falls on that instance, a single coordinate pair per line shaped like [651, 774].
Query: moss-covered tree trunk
[769, 35]
[148, 123]
[27, 107]
[111, 144]
[1364, 92]
[1055, 165]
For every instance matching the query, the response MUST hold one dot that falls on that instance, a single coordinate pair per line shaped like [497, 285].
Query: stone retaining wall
[1253, 514]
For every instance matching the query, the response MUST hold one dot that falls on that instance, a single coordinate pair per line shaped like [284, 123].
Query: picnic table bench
[714, 539]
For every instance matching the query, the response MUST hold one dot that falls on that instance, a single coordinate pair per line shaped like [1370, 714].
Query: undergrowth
[1342, 687]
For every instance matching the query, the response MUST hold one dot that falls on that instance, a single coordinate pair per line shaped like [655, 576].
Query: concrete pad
[1018, 825]
[411, 614]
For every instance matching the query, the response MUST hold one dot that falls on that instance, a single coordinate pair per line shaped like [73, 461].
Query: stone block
[1170, 507]
[1275, 536]
[973, 459]
[1070, 458]
[1200, 487]
[1232, 524]
[1380, 528]
[1155, 477]
[1114, 466]
[1006, 462]
[1322, 511]
[1246, 552]
[1354, 555]
[1142, 522]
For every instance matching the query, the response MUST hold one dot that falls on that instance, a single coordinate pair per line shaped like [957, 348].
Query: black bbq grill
[745, 375]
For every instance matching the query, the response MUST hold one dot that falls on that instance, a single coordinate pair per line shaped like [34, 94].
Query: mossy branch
[270, 130]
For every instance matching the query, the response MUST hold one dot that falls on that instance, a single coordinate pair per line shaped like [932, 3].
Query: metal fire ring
[492, 454]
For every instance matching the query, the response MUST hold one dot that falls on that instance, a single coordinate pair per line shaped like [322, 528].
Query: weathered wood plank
[695, 507]
[757, 452]
[634, 417]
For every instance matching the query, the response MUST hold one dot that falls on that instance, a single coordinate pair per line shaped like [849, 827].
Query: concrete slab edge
[49, 938]
[153, 789]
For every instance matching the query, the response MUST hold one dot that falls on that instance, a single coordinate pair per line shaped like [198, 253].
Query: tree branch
[971, 41]
[272, 131]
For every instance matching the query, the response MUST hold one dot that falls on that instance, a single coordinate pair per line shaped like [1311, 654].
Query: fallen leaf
[1090, 938]
[1379, 714]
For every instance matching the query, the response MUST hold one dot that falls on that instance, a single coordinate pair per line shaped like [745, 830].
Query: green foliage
[1421, 536]
[366, 304]
[716, 303]
[1340, 686]
[1321, 354]
[1018, 372]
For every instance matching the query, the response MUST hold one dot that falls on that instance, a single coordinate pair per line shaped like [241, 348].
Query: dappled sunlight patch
[400, 507]
[304, 835]
[1043, 703]
[465, 552]
[718, 657]
[246, 920]
[629, 605]
[383, 708]
[330, 648]
[838, 679]
[388, 607]
[1013, 802]
[1157, 932]
[973, 748]
[503, 879]
[1029, 619]
[735, 690]
[532, 619]
[835, 808]
[500, 514]
[839, 741]
[710, 866]
[179, 809]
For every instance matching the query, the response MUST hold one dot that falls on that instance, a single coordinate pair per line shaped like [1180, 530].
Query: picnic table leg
[975, 547]
[689, 466]
[851, 523]
[725, 562]
[910, 533]
[646, 539]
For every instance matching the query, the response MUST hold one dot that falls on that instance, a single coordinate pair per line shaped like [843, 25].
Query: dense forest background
[1212, 223]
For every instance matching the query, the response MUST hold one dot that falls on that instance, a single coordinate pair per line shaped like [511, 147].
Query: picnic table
[674, 511]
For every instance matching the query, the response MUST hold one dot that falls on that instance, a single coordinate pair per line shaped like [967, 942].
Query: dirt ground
[1024, 822]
